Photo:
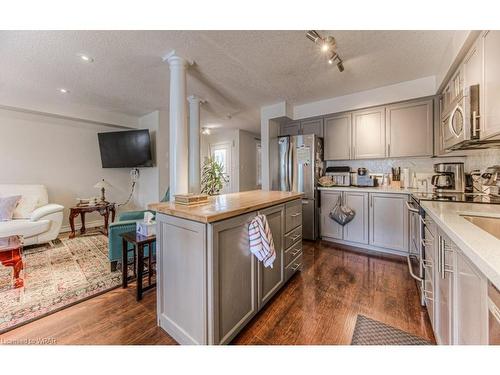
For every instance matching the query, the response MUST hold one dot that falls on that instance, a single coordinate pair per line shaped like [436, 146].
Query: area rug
[372, 332]
[56, 277]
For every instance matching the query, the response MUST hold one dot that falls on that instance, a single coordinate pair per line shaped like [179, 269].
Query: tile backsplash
[476, 159]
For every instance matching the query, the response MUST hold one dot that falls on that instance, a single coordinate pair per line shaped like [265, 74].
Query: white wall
[248, 160]
[63, 155]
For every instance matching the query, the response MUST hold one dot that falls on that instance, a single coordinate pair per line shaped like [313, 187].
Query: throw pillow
[7, 207]
[25, 207]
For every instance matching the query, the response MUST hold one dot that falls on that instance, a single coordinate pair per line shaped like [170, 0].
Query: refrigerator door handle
[289, 166]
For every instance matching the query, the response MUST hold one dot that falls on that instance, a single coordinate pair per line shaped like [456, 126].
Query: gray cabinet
[357, 229]
[328, 227]
[369, 136]
[337, 140]
[490, 118]
[389, 221]
[444, 290]
[290, 128]
[471, 304]
[234, 277]
[270, 280]
[409, 129]
[307, 126]
[312, 126]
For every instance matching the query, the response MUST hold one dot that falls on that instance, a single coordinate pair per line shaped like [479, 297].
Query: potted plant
[212, 177]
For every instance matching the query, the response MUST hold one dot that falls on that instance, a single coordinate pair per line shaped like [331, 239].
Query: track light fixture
[327, 44]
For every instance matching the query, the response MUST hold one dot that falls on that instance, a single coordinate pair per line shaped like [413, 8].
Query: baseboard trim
[90, 224]
[365, 248]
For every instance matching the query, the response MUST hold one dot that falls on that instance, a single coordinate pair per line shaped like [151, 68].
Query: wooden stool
[139, 241]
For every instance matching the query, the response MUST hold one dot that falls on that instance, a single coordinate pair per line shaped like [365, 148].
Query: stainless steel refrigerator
[300, 165]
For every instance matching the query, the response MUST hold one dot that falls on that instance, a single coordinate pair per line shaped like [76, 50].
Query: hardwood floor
[317, 306]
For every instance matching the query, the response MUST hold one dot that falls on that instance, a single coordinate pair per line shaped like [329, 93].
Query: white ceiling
[237, 72]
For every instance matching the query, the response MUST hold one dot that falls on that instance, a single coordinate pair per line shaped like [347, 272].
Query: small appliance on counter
[363, 178]
[449, 178]
[490, 180]
[340, 176]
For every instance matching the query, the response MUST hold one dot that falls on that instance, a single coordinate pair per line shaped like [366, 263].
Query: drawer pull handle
[296, 252]
[295, 215]
[296, 267]
[295, 237]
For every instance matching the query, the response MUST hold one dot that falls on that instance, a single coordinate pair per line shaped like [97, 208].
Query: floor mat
[56, 277]
[372, 332]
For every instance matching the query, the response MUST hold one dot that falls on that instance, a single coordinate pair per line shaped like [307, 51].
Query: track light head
[328, 44]
[313, 36]
[340, 65]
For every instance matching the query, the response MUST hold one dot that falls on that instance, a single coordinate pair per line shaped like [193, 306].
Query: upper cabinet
[490, 124]
[337, 130]
[369, 136]
[409, 129]
[290, 128]
[314, 126]
[308, 126]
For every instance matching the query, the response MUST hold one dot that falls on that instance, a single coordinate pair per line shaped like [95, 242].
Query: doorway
[221, 152]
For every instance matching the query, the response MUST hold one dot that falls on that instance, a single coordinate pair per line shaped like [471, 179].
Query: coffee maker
[449, 178]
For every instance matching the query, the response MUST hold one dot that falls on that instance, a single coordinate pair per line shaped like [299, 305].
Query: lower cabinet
[269, 279]
[471, 303]
[380, 221]
[456, 294]
[328, 227]
[357, 229]
[241, 284]
[389, 221]
[234, 278]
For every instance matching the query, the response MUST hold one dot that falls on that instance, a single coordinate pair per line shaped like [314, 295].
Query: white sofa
[34, 218]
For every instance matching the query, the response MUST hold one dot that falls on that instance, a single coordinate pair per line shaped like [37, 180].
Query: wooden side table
[103, 209]
[11, 255]
[139, 242]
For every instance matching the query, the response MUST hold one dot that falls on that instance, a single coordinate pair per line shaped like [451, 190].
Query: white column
[178, 143]
[194, 144]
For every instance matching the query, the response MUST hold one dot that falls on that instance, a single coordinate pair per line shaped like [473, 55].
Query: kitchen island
[209, 283]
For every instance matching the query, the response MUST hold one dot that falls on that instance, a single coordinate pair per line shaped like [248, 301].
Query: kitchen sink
[489, 224]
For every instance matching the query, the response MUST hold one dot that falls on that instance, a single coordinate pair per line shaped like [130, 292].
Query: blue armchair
[126, 223]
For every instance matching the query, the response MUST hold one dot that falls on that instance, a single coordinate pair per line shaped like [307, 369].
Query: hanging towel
[261, 240]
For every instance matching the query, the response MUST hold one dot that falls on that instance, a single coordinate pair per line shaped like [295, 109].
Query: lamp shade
[103, 184]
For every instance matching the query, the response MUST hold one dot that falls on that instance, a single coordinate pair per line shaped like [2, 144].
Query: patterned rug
[373, 332]
[56, 277]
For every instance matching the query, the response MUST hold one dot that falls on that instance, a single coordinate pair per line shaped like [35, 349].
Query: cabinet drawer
[293, 267]
[293, 252]
[293, 215]
[294, 236]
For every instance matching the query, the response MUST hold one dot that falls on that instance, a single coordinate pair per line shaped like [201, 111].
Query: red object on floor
[11, 256]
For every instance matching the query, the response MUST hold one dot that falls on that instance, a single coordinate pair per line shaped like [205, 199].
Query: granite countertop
[225, 206]
[482, 248]
[369, 189]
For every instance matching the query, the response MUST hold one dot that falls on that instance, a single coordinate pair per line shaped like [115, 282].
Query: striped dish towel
[261, 240]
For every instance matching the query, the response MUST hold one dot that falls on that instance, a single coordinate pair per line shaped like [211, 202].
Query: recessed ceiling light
[205, 131]
[86, 58]
[64, 91]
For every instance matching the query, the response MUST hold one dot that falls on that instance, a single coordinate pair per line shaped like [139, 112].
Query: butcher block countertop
[225, 206]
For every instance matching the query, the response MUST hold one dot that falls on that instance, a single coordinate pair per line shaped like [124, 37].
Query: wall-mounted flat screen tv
[125, 149]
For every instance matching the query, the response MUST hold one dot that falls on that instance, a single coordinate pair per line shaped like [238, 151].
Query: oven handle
[411, 271]
[410, 208]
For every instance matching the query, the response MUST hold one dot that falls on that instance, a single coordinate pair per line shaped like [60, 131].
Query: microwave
[460, 123]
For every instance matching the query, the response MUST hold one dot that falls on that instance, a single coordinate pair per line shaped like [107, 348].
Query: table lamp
[103, 185]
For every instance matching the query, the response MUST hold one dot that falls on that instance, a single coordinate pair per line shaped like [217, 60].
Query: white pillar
[194, 144]
[178, 142]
